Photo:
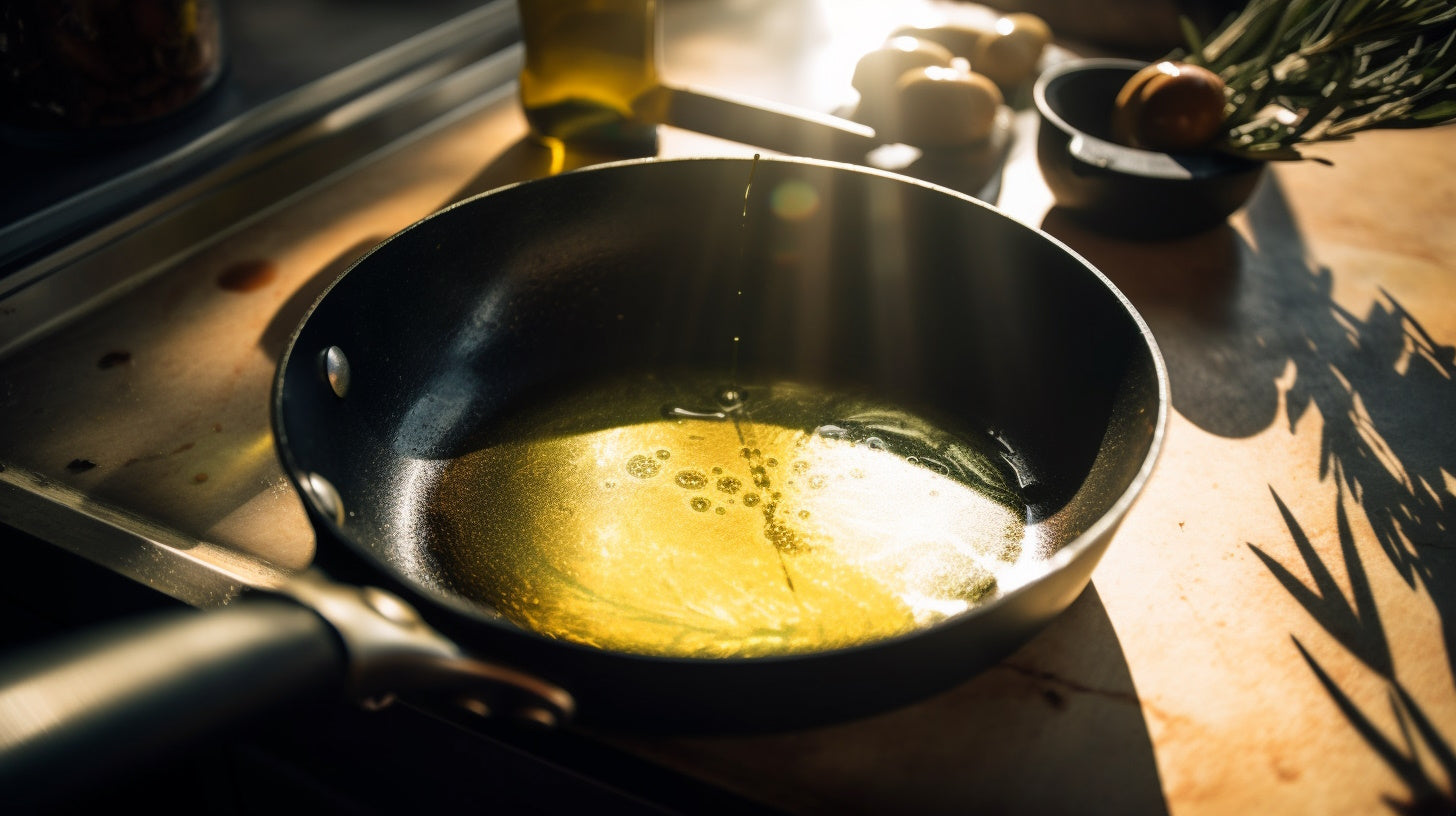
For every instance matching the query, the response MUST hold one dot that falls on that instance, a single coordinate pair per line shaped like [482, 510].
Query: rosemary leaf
[1334, 67]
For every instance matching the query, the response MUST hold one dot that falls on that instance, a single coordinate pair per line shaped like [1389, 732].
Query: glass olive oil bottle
[587, 62]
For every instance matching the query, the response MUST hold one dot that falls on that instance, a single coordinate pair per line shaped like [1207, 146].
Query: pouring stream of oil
[738, 270]
[680, 516]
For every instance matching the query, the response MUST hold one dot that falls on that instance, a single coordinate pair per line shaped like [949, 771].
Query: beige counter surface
[1271, 629]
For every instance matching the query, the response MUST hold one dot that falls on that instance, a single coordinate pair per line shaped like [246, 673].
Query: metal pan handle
[90, 707]
[104, 701]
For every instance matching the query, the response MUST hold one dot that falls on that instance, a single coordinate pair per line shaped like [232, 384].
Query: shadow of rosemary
[1232, 318]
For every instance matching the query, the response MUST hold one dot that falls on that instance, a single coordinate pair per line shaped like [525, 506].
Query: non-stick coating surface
[850, 278]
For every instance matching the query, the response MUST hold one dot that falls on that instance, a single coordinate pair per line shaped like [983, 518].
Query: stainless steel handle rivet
[334, 367]
[325, 497]
[391, 607]
[378, 703]
[538, 715]
[474, 706]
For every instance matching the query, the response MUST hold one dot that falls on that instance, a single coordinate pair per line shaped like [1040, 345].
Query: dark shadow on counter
[1419, 735]
[1357, 627]
[1210, 315]
[1056, 727]
[524, 160]
[1232, 317]
[290, 315]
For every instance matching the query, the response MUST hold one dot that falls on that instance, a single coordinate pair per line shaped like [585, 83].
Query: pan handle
[111, 699]
[116, 697]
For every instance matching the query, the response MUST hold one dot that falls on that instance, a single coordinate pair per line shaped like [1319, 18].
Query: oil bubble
[750, 499]
[771, 462]
[664, 455]
[730, 397]
[781, 536]
[642, 467]
[721, 510]
[729, 484]
[801, 466]
[691, 480]
[717, 470]
[803, 514]
[700, 504]
[818, 482]
[874, 443]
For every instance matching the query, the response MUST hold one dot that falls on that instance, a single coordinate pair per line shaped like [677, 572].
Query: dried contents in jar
[90, 64]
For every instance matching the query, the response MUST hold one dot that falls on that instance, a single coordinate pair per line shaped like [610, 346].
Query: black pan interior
[849, 278]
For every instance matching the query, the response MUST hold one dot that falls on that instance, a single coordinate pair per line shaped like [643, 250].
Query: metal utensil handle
[784, 128]
[1117, 158]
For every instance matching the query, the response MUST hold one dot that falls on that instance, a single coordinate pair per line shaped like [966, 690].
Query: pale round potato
[958, 38]
[941, 107]
[1010, 53]
[878, 72]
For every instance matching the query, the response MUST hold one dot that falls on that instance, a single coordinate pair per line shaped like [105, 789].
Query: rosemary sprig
[1305, 71]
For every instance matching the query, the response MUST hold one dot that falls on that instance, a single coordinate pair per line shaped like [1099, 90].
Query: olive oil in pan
[772, 519]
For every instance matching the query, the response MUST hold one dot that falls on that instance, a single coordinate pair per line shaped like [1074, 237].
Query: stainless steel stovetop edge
[487, 27]
[127, 254]
[194, 572]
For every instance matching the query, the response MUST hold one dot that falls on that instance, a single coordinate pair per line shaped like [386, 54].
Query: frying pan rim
[471, 610]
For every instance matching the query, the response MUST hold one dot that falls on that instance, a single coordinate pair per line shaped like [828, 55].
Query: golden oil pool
[673, 517]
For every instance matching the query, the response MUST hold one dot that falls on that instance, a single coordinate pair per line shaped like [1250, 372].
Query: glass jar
[75, 67]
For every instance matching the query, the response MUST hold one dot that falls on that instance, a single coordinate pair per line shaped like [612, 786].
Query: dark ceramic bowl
[1123, 190]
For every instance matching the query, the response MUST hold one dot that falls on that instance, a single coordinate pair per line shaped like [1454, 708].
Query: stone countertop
[1270, 629]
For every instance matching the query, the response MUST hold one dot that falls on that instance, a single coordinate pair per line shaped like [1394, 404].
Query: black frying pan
[923, 297]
